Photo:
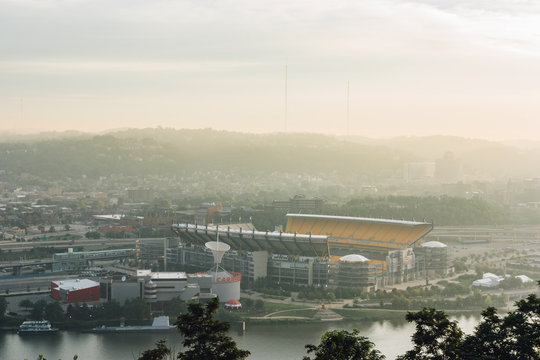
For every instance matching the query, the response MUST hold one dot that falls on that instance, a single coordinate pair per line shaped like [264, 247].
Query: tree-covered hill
[192, 150]
[169, 151]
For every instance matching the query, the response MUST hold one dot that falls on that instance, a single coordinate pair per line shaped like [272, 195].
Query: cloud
[79, 66]
[218, 53]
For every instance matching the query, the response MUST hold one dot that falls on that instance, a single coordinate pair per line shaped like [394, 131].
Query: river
[266, 342]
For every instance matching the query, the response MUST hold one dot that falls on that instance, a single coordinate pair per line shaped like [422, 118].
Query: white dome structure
[354, 270]
[524, 279]
[434, 244]
[353, 258]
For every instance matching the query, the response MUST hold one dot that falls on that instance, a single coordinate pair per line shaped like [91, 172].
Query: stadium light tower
[218, 250]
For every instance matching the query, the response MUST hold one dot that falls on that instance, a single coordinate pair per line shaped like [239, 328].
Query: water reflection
[266, 342]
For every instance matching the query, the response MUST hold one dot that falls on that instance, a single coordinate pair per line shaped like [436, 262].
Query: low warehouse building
[76, 290]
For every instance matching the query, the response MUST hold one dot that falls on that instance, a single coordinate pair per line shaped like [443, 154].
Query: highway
[87, 244]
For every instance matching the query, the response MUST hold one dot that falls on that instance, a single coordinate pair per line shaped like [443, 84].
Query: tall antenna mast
[286, 98]
[21, 111]
[217, 247]
[348, 126]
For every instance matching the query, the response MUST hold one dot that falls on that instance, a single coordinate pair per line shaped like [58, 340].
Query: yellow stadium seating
[339, 227]
[317, 227]
[306, 226]
[370, 233]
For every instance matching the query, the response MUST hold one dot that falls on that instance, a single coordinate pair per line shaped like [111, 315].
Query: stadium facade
[308, 252]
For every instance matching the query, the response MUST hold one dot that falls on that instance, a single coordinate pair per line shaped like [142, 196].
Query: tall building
[140, 195]
[299, 203]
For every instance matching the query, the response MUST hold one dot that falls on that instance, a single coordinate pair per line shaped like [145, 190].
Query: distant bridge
[81, 259]
[68, 259]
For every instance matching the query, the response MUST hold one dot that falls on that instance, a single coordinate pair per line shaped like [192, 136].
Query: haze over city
[466, 68]
[235, 179]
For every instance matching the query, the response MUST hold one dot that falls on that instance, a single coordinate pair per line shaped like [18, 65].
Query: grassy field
[271, 307]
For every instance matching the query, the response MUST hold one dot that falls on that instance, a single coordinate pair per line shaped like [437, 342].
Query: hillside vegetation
[168, 151]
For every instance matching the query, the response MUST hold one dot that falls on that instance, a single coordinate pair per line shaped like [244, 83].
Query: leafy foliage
[205, 337]
[3, 307]
[443, 210]
[175, 306]
[344, 345]
[515, 336]
[160, 352]
[92, 235]
[436, 337]
[136, 309]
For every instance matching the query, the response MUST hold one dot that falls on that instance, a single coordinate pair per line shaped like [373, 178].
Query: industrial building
[150, 286]
[75, 290]
[299, 203]
[164, 286]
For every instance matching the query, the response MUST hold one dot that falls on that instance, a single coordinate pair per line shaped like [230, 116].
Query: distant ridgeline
[167, 151]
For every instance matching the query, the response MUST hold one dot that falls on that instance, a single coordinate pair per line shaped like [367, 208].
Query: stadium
[311, 249]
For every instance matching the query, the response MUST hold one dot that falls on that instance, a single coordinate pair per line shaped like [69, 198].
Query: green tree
[160, 352]
[136, 309]
[436, 337]
[344, 345]
[110, 310]
[487, 340]
[92, 235]
[205, 337]
[26, 304]
[54, 312]
[515, 336]
[523, 325]
[38, 310]
[175, 306]
[3, 307]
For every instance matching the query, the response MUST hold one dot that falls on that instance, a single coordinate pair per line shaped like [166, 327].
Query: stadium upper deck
[359, 233]
[314, 235]
[273, 242]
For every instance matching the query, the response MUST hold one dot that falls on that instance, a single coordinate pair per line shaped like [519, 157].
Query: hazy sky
[415, 67]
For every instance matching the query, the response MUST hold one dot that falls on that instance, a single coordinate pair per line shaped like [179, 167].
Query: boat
[36, 327]
[160, 324]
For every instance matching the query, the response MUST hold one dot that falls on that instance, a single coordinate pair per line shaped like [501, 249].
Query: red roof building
[75, 290]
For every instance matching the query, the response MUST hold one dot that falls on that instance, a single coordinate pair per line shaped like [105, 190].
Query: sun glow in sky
[415, 67]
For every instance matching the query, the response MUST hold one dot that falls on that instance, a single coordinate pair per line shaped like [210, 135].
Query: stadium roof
[314, 235]
[273, 242]
[356, 219]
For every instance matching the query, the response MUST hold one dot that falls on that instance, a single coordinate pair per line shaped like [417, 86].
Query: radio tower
[348, 127]
[286, 98]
